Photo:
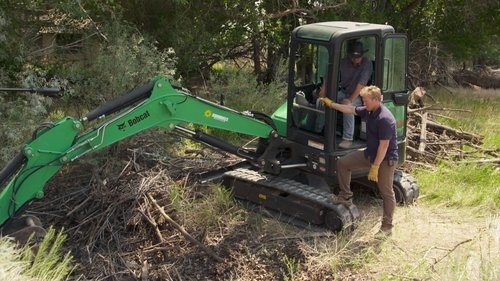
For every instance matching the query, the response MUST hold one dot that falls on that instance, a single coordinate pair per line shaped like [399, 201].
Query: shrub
[125, 61]
[20, 115]
[243, 92]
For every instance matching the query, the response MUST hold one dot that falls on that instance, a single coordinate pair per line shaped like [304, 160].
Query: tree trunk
[257, 67]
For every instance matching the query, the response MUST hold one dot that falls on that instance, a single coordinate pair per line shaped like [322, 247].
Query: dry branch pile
[115, 225]
[124, 222]
[430, 141]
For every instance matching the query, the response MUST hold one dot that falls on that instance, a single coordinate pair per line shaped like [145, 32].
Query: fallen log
[473, 138]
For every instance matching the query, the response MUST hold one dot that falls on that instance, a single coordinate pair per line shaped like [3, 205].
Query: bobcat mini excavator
[291, 173]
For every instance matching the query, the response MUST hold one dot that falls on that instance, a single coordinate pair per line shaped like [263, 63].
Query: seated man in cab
[355, 73]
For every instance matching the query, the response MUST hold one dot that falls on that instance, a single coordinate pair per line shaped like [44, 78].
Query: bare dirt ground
[115, 233]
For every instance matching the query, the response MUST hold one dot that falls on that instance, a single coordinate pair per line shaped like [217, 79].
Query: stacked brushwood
[120, 218]
[429, 141]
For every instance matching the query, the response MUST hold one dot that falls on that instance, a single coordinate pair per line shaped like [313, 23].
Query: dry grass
[427, 244]
[440, 244]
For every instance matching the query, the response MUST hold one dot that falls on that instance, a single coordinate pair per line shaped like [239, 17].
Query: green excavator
[291, 172]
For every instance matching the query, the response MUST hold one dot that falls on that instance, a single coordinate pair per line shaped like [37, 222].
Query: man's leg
[348, 122]
[385, 182]
[345, 165]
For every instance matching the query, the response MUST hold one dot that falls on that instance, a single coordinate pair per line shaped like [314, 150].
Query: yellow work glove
[326, 101]
[373, 173]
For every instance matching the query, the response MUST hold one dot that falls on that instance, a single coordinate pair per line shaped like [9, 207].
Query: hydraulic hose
[124, 101]
[12, 167]
[222, 145]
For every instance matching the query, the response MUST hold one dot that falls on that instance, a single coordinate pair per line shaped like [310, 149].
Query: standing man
[380, 155]
[355, 73]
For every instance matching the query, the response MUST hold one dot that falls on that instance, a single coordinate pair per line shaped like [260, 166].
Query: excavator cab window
[369, 46]
[370, 51]
[310, 70]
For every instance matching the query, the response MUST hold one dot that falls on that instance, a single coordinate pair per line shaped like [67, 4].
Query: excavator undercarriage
[289, 200]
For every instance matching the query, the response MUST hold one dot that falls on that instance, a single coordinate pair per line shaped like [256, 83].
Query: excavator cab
[316, 52]
[299, 162]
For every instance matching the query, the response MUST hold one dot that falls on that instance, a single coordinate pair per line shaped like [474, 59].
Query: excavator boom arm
[156, 104]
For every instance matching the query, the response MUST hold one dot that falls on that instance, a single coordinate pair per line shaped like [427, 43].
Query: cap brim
[356, 55]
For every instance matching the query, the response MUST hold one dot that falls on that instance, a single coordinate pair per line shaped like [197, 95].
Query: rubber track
[348, 215]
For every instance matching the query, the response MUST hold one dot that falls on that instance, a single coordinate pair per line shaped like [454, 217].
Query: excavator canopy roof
[326, 31]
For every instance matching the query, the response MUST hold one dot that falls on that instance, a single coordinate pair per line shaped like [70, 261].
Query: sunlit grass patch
[461, 185]
[11, 266]
[482, 117]
[48, 264]
[216, 208]
[291, 269]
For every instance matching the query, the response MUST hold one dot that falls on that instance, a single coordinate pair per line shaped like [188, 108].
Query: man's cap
[357, 50]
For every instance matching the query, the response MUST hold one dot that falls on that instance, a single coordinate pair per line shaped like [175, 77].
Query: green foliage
[243, 91]
[479, 37]
[215, 209]
[11, 46]
[179, 199]
[20, 115]
[437, 21]
[11, 266]
[201, 32]
[461, 185]
[126, 60]
[292, 268]
[209, 212]
[21, 112]
[48, 264]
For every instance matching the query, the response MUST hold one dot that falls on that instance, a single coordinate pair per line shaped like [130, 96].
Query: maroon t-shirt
[380, 125]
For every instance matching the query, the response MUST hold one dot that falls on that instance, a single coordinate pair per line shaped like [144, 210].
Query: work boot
[345, 144]
[340, 200]
[383, 233]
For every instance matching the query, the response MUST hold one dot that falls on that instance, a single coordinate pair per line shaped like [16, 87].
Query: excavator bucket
[24, 227]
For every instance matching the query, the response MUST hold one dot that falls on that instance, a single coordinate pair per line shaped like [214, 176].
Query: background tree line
[254, 33]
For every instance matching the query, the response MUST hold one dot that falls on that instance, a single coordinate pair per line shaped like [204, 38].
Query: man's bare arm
[345, 108]
[356, 92]
[322, 91]
[383, 145]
